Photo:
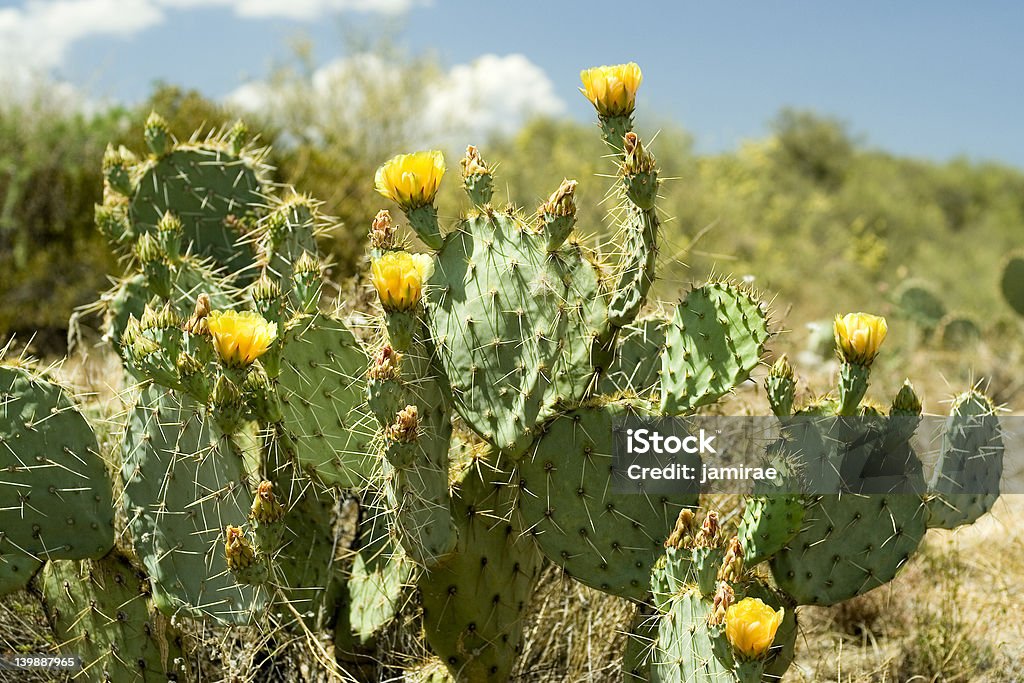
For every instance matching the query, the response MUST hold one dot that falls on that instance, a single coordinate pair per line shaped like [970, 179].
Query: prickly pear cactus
[1012, 283]
[965, 484]
[100, 611]
[474, 600]
[513, 323]
[183, 484]
[566, 502]
[56, 500]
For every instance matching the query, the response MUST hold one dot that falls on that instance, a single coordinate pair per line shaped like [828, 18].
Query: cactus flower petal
[612, 89]
[411, 180]
[240, 337]
[750, 626]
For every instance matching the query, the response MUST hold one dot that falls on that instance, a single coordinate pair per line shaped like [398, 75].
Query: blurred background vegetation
[819, 220]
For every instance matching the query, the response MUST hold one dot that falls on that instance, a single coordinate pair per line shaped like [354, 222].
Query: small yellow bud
[405, 428]
[386, 365]
[732, 565]
[411, 180]
[750, 626]
[266, 509]
[473, 163]
[859, 336]
[240, 338]
[723, 600]
[612, 89]
[562, 201]
[382, 232]
[707, 537]
[398, 278]
[197, 323]
[682, 534]
[237, 549]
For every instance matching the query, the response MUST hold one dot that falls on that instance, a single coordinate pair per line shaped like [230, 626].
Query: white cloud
[38, 35]
[493, 94]
[302, 10]
[469, 102]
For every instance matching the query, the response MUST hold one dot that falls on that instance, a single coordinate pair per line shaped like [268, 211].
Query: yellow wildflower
[750, 626]
[240, 338]
[411, 180]
[398, 278]
[612, 89]
[859, 335]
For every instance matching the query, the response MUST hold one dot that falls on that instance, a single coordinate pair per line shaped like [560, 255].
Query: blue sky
[933, 80]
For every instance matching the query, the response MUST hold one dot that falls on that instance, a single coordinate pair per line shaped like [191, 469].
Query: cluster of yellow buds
[562, 201]
[237, 549]
[612, 89]
[682, 534]
[398, 277]
[473, 164]
[859, 336]
[266, 508]
[405, 428]
[732, 566]
[751, 625]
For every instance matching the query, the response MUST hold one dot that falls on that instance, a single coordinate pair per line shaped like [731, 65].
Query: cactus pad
[182, 486]
[474, 600]
[1012, 283]
[322, 390]
[636, 368]
[56, 500]
[713, 342]
[606, 540]
[100, 611]
[965, 484]
[513, 325]
[848, 545]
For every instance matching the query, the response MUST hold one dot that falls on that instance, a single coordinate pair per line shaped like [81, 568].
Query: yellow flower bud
[240, 338]
[612, 89]
[858, 337]
[750, 626]
[237, 550]
[411, 180]
[398, 278]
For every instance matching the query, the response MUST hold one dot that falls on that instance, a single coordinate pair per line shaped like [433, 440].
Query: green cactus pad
[606, 540]
[713, 342]
[322, 391]
[56, 500]
[288, 233]
[182, 487]
[918, 301]
[636, 369]
[965, 484]
[212, 191]
[16, 568]
[1012, 283]
[849, 544]
[380, 569]
[100, 611]
[768, 524]
[305, 568]
[636, 275]
[687, 650]
[474, 600]
[958, 331]
[513, 325]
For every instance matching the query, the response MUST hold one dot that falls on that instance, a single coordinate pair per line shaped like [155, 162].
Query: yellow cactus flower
[612, 89]
[240, 338]
[859, 336]
[750, 626]
[398, 278]
[411, 180]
